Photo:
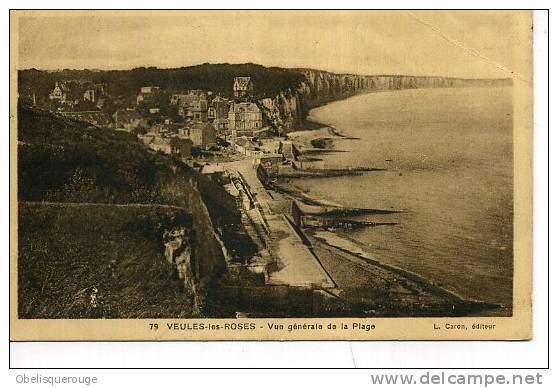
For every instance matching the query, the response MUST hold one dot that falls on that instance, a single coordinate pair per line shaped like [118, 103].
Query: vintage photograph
[252, 165]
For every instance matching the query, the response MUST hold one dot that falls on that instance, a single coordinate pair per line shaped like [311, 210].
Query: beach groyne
[299, 172]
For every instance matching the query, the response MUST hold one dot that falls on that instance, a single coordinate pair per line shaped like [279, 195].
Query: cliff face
[286, 110]
[198, 253]
[289, 108]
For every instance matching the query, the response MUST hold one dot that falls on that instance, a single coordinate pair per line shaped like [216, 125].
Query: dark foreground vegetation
[95, 261]
[64, 160]
[83, 193]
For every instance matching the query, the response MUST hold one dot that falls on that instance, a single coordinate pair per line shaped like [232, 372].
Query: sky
[468, 44]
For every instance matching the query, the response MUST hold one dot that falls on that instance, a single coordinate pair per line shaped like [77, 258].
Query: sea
[447, 160]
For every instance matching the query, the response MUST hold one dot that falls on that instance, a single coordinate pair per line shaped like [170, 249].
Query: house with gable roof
[243, 86]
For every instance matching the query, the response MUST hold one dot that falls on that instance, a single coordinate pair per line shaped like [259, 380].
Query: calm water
[450, 172]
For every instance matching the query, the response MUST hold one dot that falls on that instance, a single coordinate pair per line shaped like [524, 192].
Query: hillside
[69, 161]
[107, 267]
[218, 78]
[312, 87]
[64, 162]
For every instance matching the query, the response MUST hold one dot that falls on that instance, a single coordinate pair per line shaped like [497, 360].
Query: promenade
[295, 264]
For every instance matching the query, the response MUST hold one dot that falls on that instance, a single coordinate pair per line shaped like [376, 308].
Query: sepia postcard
[270, 175]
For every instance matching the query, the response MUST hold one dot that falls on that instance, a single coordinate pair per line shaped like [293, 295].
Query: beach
[444, 159]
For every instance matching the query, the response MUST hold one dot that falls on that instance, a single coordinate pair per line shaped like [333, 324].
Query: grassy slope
[63, 161]
[117, 251]
[68, 161]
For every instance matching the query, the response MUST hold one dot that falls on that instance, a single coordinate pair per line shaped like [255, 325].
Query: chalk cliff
[289, 108]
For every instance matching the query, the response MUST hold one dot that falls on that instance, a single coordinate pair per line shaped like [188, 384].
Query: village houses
[243, 87]
[197, 110]
[184, 98]
[95, 93]
[203, 135]
[67, 91]
[191, 105]
[60, 92]
[77, 89]
[218, 113]
[205, 116]
[245, 118]
[128, 120]
[147, 94]
[68, 94]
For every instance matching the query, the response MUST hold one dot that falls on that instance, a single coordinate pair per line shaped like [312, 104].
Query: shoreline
[388, 291]
[435, 299]
[328, 136]
[442, 298]
[340, 233]
[434, 286]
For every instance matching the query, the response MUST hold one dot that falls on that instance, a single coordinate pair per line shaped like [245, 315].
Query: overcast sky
[461, 44]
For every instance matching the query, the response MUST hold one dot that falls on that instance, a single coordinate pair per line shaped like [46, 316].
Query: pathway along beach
[316, 274]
